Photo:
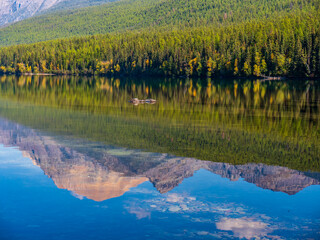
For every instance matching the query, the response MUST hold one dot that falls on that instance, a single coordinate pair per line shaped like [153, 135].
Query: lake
[211, 159]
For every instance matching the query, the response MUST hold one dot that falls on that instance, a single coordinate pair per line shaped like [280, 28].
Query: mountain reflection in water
[118, 171]
[101, 172]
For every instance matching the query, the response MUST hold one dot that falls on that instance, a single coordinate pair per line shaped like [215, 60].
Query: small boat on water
[136, 101]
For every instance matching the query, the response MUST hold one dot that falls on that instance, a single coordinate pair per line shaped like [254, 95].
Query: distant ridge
[74, 4]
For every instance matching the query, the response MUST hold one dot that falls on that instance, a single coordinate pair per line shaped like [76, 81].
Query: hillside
[283, 46]
[140, 14]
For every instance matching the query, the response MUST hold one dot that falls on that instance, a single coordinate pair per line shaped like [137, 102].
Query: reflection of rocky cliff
[169, 174]
[68, 168]
[100, 172]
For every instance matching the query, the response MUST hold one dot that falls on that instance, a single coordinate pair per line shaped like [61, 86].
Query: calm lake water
[219, 159]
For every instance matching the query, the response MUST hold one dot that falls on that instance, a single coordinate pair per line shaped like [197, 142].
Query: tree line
[283, 46]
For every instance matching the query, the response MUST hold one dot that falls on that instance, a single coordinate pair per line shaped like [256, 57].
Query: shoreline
[260, 78]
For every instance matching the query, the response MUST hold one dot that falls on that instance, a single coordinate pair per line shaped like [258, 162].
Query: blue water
[78, 161]
[202, 206]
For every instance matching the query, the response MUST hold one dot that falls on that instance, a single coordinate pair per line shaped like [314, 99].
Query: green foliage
[286, 46]
[140, 14]
[236, 121]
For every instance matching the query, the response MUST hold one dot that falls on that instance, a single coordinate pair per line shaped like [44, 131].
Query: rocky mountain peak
[16, 10]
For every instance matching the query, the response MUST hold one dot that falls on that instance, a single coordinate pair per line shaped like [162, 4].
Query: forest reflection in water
[111, 163]
[234, 121]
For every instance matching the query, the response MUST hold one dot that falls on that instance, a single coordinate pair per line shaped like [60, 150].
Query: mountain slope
[74, 4]
[140, 14]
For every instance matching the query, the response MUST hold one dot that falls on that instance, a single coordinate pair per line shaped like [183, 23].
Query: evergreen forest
[257, 38]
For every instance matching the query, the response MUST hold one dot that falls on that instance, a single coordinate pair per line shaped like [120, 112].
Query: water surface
[211, 159]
